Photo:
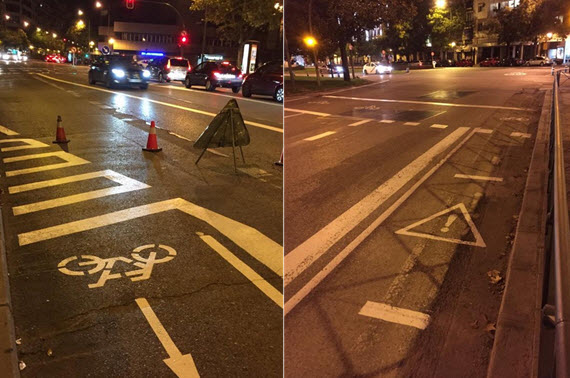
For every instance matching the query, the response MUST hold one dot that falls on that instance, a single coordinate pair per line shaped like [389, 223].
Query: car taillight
[216, 74]
[240, 76]
[168, 65]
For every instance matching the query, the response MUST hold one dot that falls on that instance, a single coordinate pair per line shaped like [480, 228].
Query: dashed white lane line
[319, 136]
[387, 121]
[395, 315]
[308, 112]
[411, 124]
[438, 126]
[428, 103]
[483, 131]
[516, 134]
[480, 178]
[197, 111]
[70, 161]
[126, 185]
[293, 115]
[265, 287]
[360, 122]
[314, 247]
[7, 131]
[248, 238]
[28, 143]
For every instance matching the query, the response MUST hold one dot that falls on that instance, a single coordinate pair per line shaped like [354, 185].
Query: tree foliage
[16, 39]
[446, 26]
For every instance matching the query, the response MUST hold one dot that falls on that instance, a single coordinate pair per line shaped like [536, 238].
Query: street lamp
[54, 35]
[38, 29]
[26, 24]
[453, 44]
[440, 4]
[549, 35]
[80, 24]
[80, 12]
[111, 41]
[7, 16]
[98, 4]
[311, 43]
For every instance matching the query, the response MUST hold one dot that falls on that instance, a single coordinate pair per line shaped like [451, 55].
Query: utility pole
[204, 35]
[314, 47]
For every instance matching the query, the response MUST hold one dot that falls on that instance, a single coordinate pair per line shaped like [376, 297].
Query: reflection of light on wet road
[145, 108]
[119, 101]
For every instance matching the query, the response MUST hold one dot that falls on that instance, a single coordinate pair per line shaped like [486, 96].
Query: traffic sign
[106, 50]
[74, 50]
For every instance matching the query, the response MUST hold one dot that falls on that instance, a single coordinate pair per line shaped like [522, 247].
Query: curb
[517, 338]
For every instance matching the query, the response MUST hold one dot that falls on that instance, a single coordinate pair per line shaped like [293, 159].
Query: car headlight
[25, 58]
[118, 73]
[339, 69]
[5, 56]
[146, 73]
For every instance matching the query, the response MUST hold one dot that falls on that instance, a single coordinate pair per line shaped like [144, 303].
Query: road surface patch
[70, 161]
[319, 136]
[517, 134]
[395, 314]
[450, 219]
[28, 143]
[480, 178]
[447, 95]
[126, 185]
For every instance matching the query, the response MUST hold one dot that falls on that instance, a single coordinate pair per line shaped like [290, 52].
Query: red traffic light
[183, 40]
[130, 4]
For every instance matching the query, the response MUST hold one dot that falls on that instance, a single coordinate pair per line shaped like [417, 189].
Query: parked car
[464, 63]
[54, 58]
[511, 62]
[539, 61]
[118, 70]
[489, 62]
[445, 63]
[266, 80]
[376, 68]
[215, 74]
[168, 69]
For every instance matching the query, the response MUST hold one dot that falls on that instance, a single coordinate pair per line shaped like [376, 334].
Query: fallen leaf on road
[22, 365]
[19, 341]
[494, 276]
[490, 327]
[49, 352]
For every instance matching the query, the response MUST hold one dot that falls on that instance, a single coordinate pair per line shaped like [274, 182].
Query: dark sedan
[489, 62]
[118, 70]
[266, 80]
[511, 62]
[464, 63]
[214, 74]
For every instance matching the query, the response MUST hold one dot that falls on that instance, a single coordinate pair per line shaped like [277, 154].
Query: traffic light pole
[175, 10]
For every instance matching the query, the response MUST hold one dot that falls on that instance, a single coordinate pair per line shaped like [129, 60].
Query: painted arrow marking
[182, 365]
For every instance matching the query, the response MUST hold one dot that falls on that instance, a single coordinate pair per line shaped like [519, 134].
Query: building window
[480, 7]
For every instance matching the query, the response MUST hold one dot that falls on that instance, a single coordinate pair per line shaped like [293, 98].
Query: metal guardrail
[558, 234]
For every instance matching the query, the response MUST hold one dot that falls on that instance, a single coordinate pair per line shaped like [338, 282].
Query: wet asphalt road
[123, 262]
[401, 196]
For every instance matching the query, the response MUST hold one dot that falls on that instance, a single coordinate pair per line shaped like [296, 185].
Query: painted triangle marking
[479, 242]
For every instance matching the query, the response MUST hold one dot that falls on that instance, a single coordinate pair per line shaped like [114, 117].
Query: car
[464, 63]
[445, 63]
[511, 62]
[118, 70]
[54, 58]
[539, 61]
[215, 74]
[489, 62]
[168, 68]
[376, 68]
[330, 69]
[266, 80]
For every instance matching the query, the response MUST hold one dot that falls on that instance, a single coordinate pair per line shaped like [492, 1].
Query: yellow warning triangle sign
[479, 242]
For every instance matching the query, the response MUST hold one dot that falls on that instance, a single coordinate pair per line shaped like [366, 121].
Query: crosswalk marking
[70, 160]
[28, 143]
[395, 314]
[438, 126]
[7, 131]
[387, 121]
[360, 122]
[319, 136]
[411, 124]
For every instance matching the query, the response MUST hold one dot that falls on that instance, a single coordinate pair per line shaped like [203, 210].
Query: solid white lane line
[311, 251]
[360, 122]
[482, 178]
[411, 123]
[182, 365]
[395, 314]
[248, 238]
[428, 103]
[70, 160]
[197, 111]
[314, 247]
[387, 121]
[438, 126]
[520, 135]
[293, 115]
[265, 287]
[319, 136]
[7, 131]
[126, 185]
[28, 143]
[307, 112]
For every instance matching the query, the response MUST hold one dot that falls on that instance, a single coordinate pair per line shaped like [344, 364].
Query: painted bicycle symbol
[143, 257]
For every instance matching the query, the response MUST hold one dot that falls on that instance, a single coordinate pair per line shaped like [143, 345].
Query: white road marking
[126, 185]
[520, 135]
[484, 131]
[479, 242]
[28, 143]
[212, 151]
[106, 107]
[128, 119]
[182, 365]
[482, 178]
[438, 126]
[265, 287]
[293, 115]
[428, 103]
[395, 314]
[411, 123]
[255, 172]
[319, 136]
[360, 122]
[248, 238]
[311, 249]
[7, 131]
[70, 161]
[319, 243]
[387, 121]
[307, 112]
[202, 112]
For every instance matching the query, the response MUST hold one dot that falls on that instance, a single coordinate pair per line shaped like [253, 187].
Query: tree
[14, 39]
[238, 20]
[510, 21]
[446, 26]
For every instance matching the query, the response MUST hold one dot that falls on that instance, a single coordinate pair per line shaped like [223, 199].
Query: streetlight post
[312, 44]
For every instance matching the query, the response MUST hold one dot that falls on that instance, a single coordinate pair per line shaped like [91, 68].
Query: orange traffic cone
[60, 133]
[152, 142]
[280, 162]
